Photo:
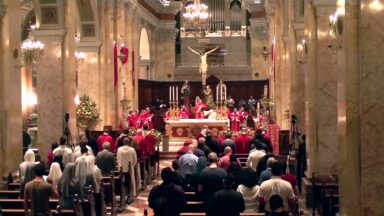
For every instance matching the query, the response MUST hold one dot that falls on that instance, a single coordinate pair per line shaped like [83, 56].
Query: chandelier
[196, 16]
[31, 50]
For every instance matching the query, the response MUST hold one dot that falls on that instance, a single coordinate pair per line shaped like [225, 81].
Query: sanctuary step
[168, 155]
[203, 214]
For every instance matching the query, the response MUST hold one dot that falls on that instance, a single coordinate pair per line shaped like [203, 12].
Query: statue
[186, 93]
[208, 97]
[203, 64]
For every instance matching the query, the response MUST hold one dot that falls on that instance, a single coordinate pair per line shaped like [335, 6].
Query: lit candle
[170, 97]
[177, 93]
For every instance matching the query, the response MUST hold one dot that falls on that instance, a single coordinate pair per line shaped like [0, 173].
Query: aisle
[141, 202]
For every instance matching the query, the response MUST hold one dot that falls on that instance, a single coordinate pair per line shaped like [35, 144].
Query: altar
[180, 130]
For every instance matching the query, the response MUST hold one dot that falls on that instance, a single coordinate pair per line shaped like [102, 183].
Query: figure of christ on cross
[203, 64]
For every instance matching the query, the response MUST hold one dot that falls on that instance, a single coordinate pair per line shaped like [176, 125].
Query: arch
[87, 13]
[144, 45]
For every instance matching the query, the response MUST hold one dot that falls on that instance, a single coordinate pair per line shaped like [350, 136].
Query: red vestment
[148, 120]
[151, 143]
[199, 110]
[184, 114]
[235, 121]
[142, 151]
[242, 144]
[105, 138]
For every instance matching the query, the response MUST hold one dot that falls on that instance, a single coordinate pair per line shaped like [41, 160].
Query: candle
[258, 105]
[217, 92]
[265, 91]
[170, 99]
[173, 93]
[177, 93]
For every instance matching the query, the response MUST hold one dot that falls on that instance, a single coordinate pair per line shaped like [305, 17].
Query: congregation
[208, 165]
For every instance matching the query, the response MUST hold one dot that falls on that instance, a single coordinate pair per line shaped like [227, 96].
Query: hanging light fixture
[31, 50]
[196, 16]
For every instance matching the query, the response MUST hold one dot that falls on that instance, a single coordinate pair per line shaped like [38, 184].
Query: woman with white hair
[54, 175]
[29, 159]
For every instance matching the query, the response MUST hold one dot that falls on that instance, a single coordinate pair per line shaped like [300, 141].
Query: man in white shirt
[64, 151]
[276, 185]
[254, 157]
[83, 143]
[127, 160]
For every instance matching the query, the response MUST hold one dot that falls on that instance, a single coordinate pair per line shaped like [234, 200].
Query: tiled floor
[141, 202]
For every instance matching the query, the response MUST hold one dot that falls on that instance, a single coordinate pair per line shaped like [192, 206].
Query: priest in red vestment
[242, 142]
[132, 119]
[184, 112]
[243, 116]
[148, 120]
[235, 120]
[199, 109]
[142, 150]
[105, 137]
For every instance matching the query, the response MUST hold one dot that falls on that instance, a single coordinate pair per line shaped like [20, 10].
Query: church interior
[300, 78]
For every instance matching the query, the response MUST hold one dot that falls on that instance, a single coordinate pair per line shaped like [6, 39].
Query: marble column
[50, 89]
[370, 36]
[106, 53]
[130, 13]
[326, 95]
[10, 87]
[69, 68]
[311, 115]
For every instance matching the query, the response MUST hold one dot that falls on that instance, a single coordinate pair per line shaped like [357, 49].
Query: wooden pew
[14, 186]
[191, 196]
[107, 187]
[194, 206]
[9, 194]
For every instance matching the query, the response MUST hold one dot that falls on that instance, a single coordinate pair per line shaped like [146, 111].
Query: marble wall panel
[372, 106]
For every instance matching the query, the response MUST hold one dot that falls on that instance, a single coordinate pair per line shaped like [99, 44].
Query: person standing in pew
[105, 160]
[64, 151]
[228, 202]
[67, 186]
[127, 160]
[210, 181]
[167, 199]
[278, 186]
[37, 194]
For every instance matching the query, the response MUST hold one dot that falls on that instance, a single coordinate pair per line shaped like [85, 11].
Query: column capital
[258, 28]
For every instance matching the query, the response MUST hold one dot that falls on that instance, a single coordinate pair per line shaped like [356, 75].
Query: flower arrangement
[157, 135]
[86, 112]
[32, 118]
